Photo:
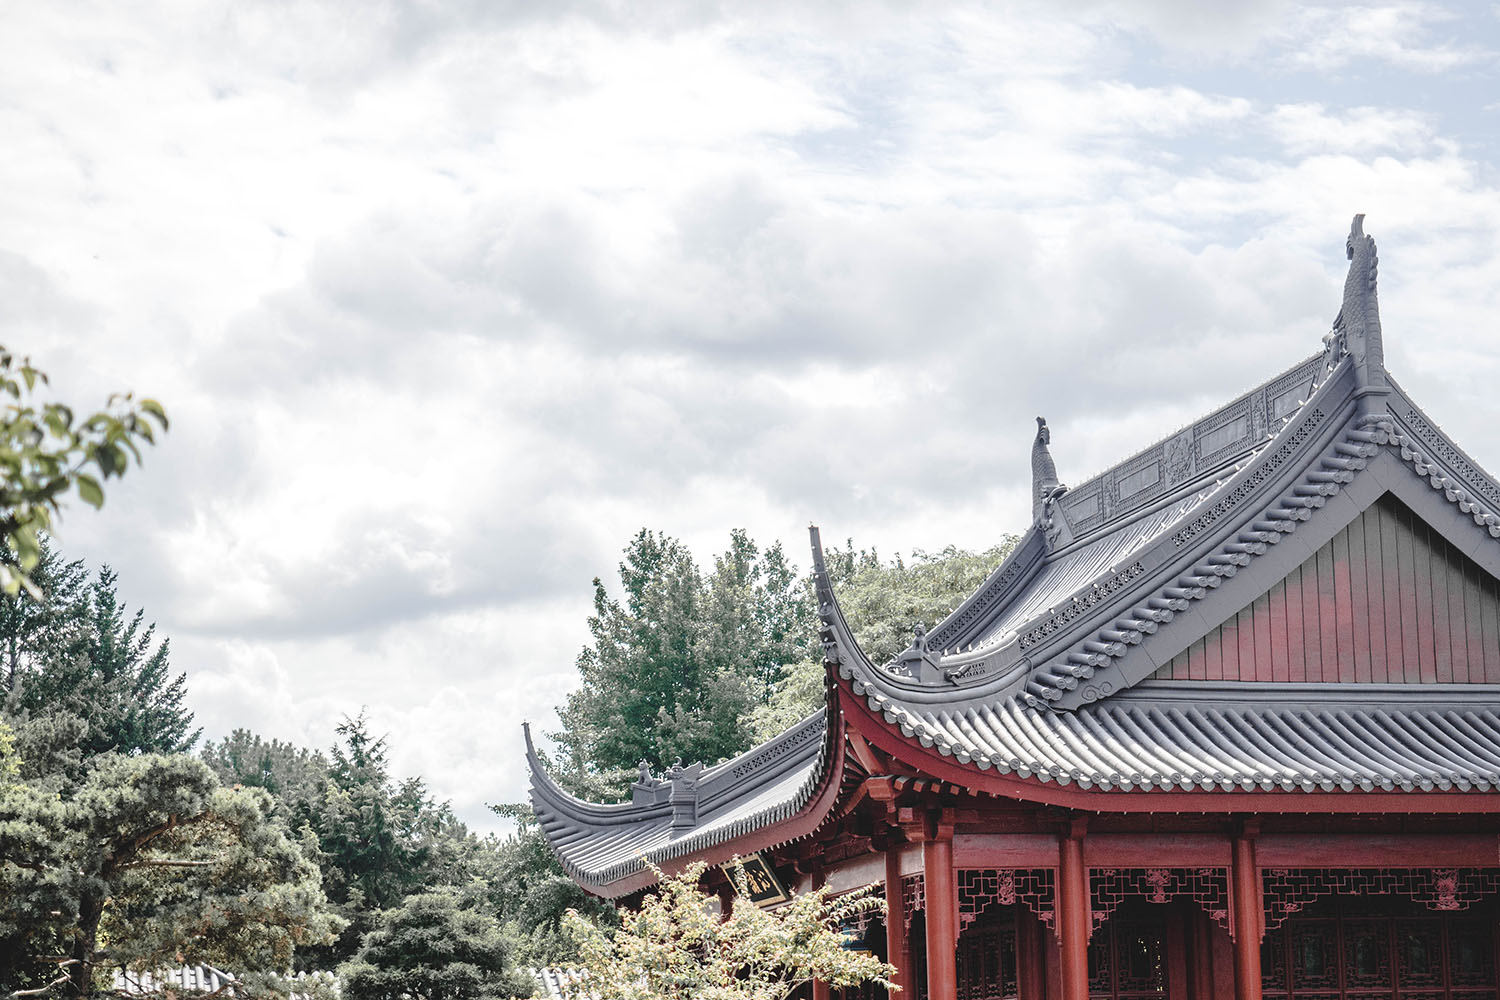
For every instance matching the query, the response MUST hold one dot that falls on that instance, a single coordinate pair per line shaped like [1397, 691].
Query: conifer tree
[76, 650]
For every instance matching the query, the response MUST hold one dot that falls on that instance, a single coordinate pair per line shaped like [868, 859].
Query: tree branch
[165, 863]
[43, 989]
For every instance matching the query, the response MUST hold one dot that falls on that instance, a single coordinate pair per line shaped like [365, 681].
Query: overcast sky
[447, 300]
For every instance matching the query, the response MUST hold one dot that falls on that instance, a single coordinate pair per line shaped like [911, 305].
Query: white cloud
[447, 302]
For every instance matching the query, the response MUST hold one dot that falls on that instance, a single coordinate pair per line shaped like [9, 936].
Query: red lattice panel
[982, 887]
[1208, 887]
[1290, 890]
[913, 897]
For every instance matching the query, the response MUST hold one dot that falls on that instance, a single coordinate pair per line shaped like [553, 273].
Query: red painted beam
[1004, 850]
[1397, 850]
[1147, 850]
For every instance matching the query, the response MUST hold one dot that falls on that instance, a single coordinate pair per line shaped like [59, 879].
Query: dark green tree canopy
[433, 947]
[145, 863]
[680, 659]
[700, 666]
[76, 651]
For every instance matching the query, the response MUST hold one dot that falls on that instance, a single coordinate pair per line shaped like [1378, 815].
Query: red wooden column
[1249, 920]
[1031, 981]
[941, 889]
[897, 948]
[1073, 918]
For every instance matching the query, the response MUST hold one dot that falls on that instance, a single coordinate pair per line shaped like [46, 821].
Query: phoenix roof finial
[1358, 321]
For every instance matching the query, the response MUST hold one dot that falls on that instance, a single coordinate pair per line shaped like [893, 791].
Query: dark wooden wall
[1387, 600]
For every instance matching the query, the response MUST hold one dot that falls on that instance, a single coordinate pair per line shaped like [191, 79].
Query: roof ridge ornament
[1046, 513]
[1356, 330]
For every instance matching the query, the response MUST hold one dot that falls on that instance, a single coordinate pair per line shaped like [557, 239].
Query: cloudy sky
[446, 300]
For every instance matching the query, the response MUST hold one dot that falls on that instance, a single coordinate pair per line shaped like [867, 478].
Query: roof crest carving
[1083, 672]
[1194, 451]
[1357, 326]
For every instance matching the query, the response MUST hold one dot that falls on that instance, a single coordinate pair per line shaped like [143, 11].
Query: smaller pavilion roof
[601, 844]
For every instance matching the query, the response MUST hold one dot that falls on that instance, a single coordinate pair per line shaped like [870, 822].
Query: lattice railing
[1208, 887]
[1290, 890]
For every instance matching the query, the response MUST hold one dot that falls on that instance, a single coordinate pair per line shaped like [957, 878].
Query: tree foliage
[534, 895]
[703, 666]
[294, 776]
[73, 652]
[676, 946]
[46, 451]
[434, 947]
[146, 863]
[883, 602]
[680, 660]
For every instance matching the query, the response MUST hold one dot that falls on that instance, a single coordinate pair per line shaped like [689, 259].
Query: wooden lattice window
[987, 962]
[1342, 949]
[1128, 955]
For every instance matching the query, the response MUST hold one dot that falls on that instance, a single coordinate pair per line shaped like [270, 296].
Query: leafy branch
[46, 451]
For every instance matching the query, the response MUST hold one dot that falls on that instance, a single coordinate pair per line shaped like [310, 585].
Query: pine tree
[76, 651]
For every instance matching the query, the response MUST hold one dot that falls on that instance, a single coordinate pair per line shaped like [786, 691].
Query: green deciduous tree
[675, 946]
[148, 862]
[883, 600]
[46, 451]
[680, 660]
[433, 947]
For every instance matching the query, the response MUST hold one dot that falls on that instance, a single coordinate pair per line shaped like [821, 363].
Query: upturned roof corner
[839, 645]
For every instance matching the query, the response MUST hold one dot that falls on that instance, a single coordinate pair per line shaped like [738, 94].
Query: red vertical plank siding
[1458, 625]
[1296, 632]
[1275, 619]
[1194, 662]
[1410, 667]
[1375, 591]
[1229, 647]
[1442, 638]
[1335, 609]
[1318, 633]
[1262, 664]
[1390, 567]
[1213, 655]
[1421, 601]
[1245, 629]
[1357, 618]
[1491, 641]
[1386, 600]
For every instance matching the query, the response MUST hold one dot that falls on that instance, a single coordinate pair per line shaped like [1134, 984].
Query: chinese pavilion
[1225, 723]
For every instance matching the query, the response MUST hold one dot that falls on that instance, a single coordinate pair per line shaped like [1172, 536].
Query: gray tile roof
[600, 844]
[1234, 736]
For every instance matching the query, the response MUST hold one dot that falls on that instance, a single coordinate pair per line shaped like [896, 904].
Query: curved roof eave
[775, 793]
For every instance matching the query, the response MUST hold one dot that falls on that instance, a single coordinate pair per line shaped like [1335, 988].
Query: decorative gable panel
[1386, 601]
